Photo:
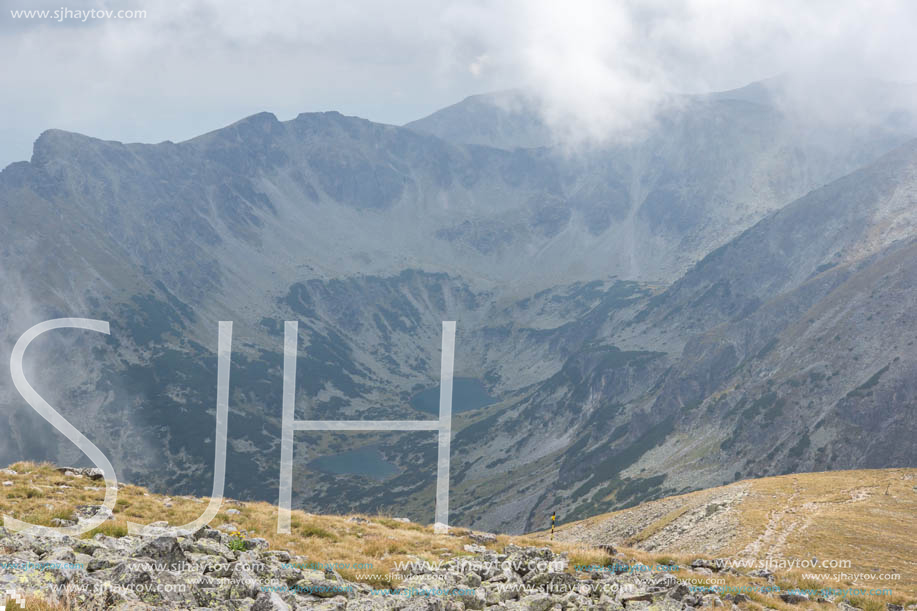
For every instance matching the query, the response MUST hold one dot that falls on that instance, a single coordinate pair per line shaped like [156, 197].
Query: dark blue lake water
[467, 394]
[365, 461]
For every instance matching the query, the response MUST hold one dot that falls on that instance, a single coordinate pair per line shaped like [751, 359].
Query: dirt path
[782, 523]
[775, 532]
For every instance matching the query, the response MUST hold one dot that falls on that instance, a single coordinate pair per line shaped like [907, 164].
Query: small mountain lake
[467, 394]
[366, 461]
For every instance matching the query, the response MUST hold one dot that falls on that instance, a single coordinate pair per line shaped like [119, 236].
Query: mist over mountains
[725, 296]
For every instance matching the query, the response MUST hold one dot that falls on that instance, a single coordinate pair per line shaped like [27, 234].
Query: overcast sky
[599, 67]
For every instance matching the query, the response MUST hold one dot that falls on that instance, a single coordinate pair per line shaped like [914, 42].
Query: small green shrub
[236, 542]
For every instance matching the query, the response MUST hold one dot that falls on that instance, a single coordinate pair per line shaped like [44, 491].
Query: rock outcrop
[209, 569]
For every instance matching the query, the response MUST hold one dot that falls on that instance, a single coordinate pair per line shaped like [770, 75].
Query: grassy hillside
[831, 515]
[866, 517]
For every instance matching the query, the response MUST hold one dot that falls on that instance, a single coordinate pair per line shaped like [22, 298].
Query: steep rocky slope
[600, 385]
[789, 349]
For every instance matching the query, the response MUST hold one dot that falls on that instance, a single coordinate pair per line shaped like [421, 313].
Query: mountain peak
[506, 119]
[259, 118]
[57, 143]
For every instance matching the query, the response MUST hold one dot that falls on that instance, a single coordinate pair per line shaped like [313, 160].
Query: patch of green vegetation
[111, 529]
[774, 411]
[397, 525]
[598, 358]
[603, 414]
[639, 486]
[311, 530]
[627, 493]
[866, 603]
[769, 403]
[62, 514]
[647, 441]
[799, 449]
[767, 348]
[712, 508]
[24, 492]
[236, 542]
[864, 389]
[729, 442]
[608, 469]
[473, 432]
[151, 319]
[773, 453]
[619, 432]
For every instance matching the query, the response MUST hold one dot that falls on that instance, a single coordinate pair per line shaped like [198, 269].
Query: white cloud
[600, 68]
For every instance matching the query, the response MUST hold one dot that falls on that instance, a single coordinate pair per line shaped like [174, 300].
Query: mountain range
[724, 295]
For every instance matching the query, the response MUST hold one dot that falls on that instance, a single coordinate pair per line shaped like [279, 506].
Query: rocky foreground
[215, 569]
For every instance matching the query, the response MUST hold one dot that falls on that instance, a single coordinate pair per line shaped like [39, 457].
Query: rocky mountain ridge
[621, 358]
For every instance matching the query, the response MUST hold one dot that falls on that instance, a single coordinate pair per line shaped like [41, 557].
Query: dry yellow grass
[380, 541]
[876, 533]
[867, 517]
